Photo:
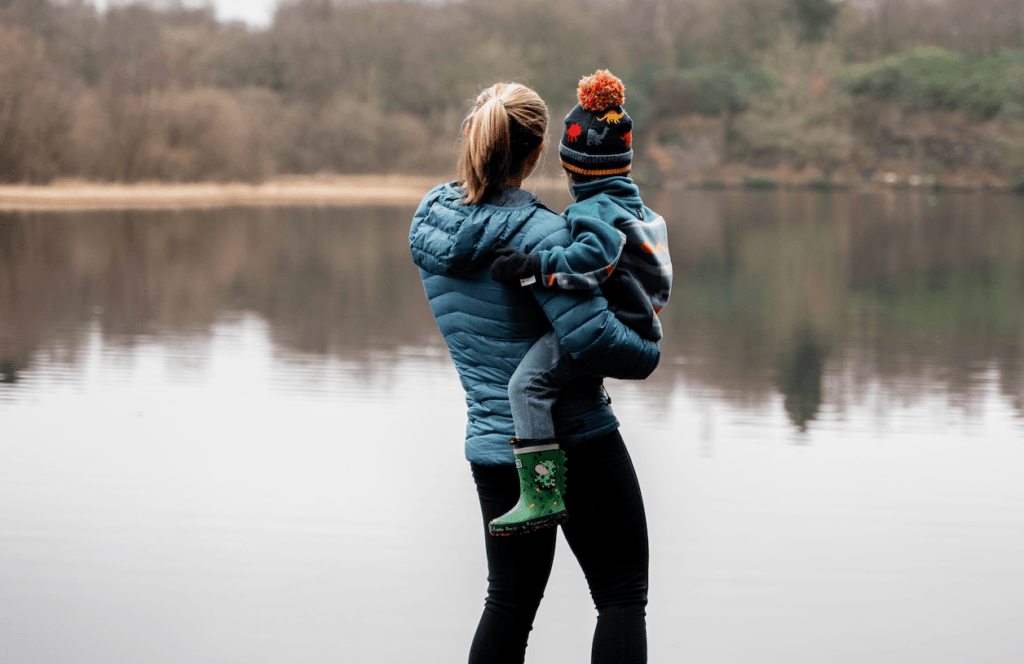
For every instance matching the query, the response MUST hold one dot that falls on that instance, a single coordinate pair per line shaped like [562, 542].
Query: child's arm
[583, 265]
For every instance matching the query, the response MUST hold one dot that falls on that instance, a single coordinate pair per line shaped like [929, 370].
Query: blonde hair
[507, 124]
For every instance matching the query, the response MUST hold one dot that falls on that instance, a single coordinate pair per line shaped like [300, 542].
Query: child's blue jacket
[613, 230]
[489, 326]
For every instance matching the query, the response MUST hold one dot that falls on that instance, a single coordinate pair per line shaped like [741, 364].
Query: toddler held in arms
[619, 245]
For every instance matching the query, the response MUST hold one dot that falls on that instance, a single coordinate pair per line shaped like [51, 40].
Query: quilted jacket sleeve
[586, 328]
[587, 262]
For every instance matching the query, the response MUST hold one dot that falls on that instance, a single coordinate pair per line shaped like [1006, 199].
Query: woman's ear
[527, 168]
[533, 159]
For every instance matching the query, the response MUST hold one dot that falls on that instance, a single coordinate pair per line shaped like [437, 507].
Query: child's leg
[533, 391]
[536, 384]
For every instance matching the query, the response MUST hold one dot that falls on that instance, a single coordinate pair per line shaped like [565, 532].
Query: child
[619, 245]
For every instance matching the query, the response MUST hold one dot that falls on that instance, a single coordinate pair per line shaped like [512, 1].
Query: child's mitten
[511, 266]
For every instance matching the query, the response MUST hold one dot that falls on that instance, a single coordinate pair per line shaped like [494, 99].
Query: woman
[489, 327]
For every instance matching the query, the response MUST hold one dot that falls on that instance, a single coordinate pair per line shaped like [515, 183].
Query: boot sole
[529, 526]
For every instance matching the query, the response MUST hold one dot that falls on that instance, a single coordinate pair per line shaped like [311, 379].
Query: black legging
[607, 531]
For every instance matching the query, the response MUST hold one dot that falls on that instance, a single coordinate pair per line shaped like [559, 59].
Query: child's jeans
[536, 384]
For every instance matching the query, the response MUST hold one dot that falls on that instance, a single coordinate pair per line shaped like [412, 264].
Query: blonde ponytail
[504, 128]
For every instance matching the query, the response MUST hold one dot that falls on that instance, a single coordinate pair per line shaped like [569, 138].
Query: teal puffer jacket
[489, 326]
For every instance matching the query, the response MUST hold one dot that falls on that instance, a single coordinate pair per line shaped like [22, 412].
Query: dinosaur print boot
[541, 503]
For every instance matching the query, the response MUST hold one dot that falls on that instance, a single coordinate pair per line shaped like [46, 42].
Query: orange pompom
[601, 91]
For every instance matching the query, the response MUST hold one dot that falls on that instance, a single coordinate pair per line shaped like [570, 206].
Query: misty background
[812, 90]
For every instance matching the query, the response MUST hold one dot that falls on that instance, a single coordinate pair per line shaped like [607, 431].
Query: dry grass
[341, 190]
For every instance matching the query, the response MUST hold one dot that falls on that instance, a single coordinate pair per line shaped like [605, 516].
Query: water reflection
[9, 370]
[897, 290]
[900, 292]
[799, 380]
[220, 431]
[328, 281]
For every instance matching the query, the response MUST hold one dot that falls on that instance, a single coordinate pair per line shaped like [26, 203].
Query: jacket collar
[505, 197]
[510, 197]
[619, 187]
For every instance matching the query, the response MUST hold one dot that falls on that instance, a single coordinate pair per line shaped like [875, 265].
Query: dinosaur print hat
[598, 138]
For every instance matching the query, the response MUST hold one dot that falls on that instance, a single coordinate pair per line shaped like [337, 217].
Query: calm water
[223, 433]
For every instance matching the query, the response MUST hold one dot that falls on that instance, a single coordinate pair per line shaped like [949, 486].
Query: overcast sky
[253, 12]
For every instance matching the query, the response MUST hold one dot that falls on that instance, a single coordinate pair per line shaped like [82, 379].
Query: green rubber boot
[541, 503]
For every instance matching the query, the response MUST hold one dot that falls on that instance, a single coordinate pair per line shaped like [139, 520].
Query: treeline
[164, 91]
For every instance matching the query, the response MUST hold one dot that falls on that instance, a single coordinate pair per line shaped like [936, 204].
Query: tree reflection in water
[799, 379]
[8, 371]
[804, 296]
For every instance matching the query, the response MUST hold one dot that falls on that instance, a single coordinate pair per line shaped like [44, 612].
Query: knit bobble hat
[598, 137]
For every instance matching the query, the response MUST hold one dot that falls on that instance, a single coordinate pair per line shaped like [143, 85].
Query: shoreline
[333, 190]
[355, 190]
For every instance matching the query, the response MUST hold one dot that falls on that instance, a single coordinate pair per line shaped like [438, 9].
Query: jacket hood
[450, 239]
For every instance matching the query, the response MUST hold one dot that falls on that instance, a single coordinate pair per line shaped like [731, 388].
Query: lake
[220, 431]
